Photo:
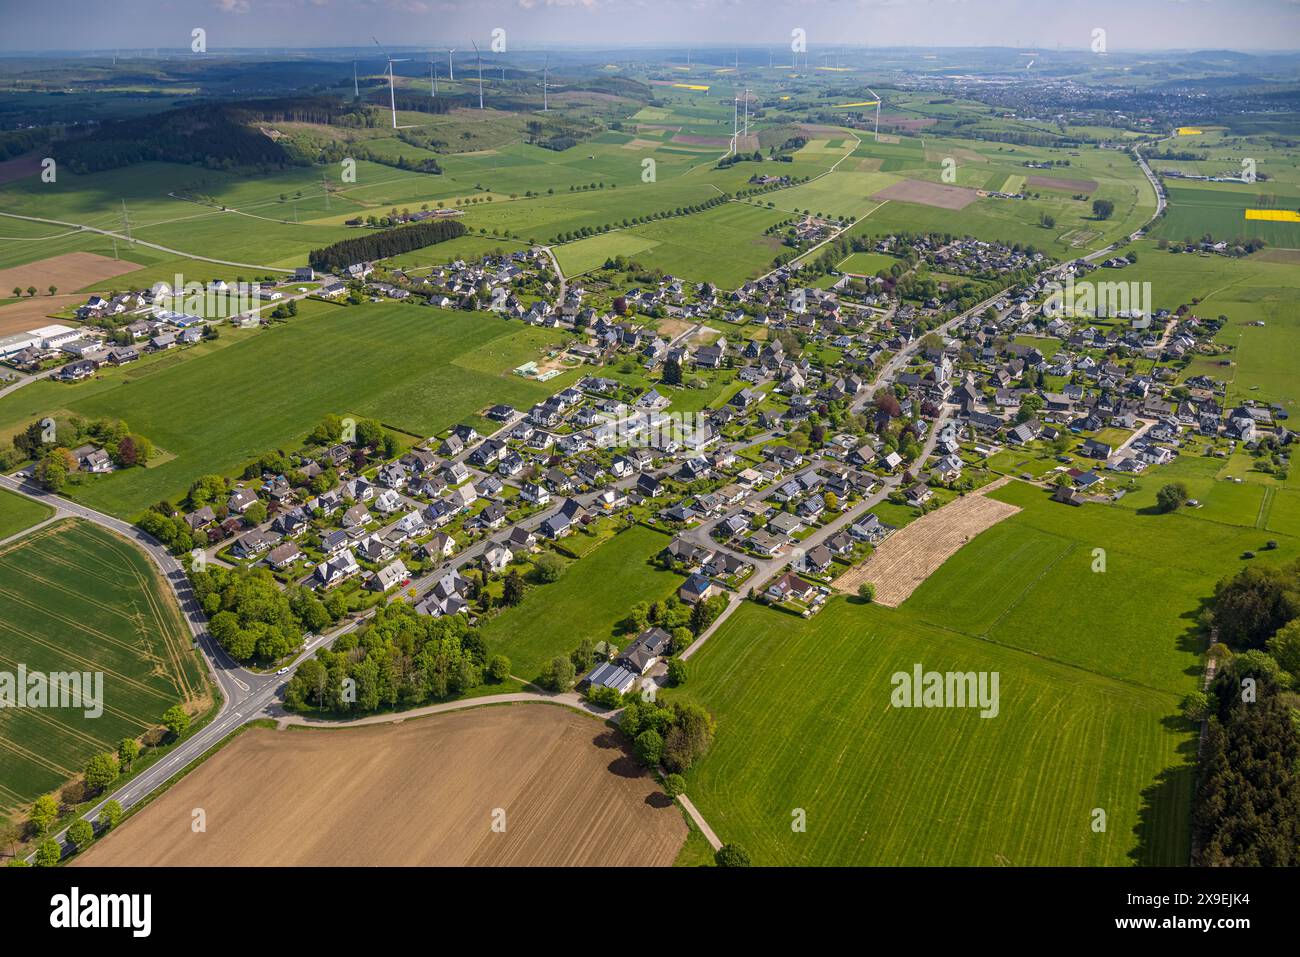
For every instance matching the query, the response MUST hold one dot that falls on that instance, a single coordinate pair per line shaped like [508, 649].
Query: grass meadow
[417, 369]
[18, 513]
[588, 601]
[1092, 666]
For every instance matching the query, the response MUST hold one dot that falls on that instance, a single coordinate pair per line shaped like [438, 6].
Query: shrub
[649, 746]
[731, 855]
[498, 668]
[1171, 496]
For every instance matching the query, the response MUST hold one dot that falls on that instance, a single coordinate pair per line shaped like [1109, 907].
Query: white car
[283, 671]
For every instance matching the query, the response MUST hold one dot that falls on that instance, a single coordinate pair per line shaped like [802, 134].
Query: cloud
[532, 4]
[233, 6]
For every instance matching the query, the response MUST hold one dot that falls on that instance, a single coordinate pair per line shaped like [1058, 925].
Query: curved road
[140, 242]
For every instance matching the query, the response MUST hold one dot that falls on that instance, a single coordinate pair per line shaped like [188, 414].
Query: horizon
[1131, 26]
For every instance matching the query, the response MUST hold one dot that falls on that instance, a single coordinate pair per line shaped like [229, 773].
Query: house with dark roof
[697, 588]
[649, 646]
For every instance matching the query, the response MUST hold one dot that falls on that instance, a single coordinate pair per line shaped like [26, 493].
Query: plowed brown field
[423, 792]
[915, 552]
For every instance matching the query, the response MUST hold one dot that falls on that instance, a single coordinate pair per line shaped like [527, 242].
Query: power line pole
[126, 221]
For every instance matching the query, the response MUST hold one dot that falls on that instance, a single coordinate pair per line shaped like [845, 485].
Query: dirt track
[912, 554]
[422, 792]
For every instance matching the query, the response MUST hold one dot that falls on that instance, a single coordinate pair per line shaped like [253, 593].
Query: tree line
[1246, 810]
[382, 245]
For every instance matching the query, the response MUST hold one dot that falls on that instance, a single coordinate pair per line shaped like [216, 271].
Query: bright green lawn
[18, 512]
[594, 594]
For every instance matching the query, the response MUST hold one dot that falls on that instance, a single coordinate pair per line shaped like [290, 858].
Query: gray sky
[1129, 24]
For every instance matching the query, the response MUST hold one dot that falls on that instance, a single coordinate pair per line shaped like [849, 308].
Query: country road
[140, 242]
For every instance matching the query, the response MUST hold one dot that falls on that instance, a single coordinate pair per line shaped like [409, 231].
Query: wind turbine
[545, 76]
[876, 96]
[392, 85]
[478, 56]
[735, 124]
[433, 76]
[451, 65]
[356, 90]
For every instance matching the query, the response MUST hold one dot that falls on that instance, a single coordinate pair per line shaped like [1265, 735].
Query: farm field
[883, 786]
[545, 217]
[417, 369]
[724, 245]
[571, 794]
[18, 512]
[1107, 654]
[554, 618]
[1219, 209]
[1029, 583]
[33, 312]
[984, 166]
[79, 598]
[844, 195]
[68, 272]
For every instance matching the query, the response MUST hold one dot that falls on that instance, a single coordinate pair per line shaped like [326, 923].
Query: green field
[804, 722]
[867, 264]
[724, 245]
[1219, 209]
[18, 513]
[1092, 664]
[594, 594]
[79, 598]
[417, 369]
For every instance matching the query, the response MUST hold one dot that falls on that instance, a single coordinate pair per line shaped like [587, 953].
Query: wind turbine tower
[392, 83]
[735, 123]
[479, 57]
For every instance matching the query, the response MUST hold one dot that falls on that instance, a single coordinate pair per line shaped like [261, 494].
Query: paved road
[246, 694]
[568, 699]
[702, 824]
